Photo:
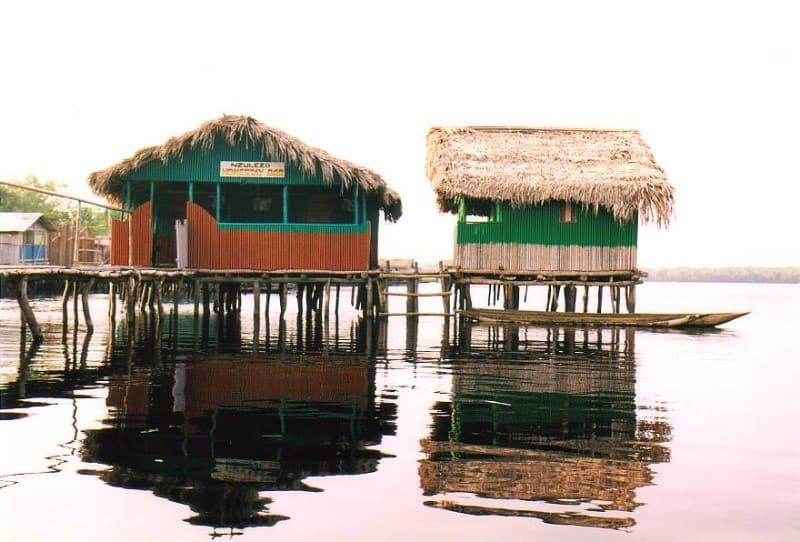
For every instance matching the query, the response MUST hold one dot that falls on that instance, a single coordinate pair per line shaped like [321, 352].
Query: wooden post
[630, 298]
[160, 297]
[282, 297]
[130, 239]
[445, 285]
[64, 310]
[310, 301]
[368, 299]
[412, 301]
[196, 297]
[76, 238]
[87, 316]
[336, 305]
[27, 312]
[256, 313]
[554, 303]
[176, 298]
[129, 300]
[599, 299]
[256, 302]
[112, 300]
[570, 293]
[585, 298]
[300, 288]
[327, 297]
[206, 298]
[326, 313]
[467, 296]
[75, 293]
[549, 298]
[268, 295]
[617, 299]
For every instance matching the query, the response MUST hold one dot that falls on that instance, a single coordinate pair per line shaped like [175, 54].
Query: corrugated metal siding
[539, 225]
[211, 247]
[518, 257]
[142, 238]
[203, 166]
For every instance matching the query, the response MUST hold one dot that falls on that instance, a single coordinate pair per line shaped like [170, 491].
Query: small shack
[547, 200]
[24, 238]
[236, 194]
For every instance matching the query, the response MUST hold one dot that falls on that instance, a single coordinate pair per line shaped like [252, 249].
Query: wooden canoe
[666, 320]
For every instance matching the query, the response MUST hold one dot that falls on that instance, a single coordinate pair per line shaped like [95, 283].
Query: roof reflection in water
[550, 420]
[212, 430]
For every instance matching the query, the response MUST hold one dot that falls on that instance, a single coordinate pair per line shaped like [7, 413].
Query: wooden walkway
[314, 290]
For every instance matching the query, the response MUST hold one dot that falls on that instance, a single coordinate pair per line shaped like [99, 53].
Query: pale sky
[713, 87]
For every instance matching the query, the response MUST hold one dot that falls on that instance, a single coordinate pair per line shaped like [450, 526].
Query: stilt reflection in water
[542, 423]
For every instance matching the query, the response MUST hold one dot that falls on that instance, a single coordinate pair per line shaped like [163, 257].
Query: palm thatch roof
[278, 145]
[597, 168]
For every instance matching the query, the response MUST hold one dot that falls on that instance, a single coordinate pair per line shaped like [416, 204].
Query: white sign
[271, 170]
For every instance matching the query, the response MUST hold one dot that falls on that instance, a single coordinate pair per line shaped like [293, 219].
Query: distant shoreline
[763, 275]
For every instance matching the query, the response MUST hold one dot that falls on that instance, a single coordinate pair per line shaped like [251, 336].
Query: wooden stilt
[549, 298]
[64, 310]
[160, 297]
[630, 298]
[368, 304]
[87, 316]
[570, 293]
[554, 303]
[599, 299]
[585, 298]
[467, 297]
[300, 289]
[282, 296]
[75, 294]
[256, 301]
[327, 297]
[27, 312]
[176, 298]
[129, 302]
[196, 297]
[412, 301]
[206, 298]
[112, 301]
[219, 298]
[336, 305]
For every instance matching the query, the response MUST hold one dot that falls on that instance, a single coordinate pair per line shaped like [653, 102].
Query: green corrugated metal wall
[539, 224]
[203, 166]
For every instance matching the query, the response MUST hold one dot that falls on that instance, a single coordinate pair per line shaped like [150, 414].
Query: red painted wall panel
[213, 248]
[142, 242]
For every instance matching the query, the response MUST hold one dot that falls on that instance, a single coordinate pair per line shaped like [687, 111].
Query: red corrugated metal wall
[142, 238]
[213, 248]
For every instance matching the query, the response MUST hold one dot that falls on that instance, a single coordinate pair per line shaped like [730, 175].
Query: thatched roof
[597, 168]
[278, 145]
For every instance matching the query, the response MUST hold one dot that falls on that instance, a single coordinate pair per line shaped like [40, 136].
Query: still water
[402, 432]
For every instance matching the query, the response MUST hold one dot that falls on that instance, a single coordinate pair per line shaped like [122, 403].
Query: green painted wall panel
[539, 224]
[203, 166]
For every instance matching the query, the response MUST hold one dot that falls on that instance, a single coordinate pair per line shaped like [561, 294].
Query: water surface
[431, 431]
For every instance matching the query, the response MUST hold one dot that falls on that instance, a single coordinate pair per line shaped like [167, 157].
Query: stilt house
[24, 238]
[236, 194]
[543, 199]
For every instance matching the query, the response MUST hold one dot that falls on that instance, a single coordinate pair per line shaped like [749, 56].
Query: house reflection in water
[545, 427]
[213, 433]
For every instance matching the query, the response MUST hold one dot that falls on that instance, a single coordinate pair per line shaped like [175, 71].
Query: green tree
[54, 209]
